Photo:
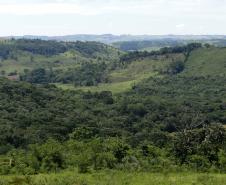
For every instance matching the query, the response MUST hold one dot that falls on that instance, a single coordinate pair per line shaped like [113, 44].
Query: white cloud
[114, 16]
[76, 7]
[40, 9]
[93, 7]
[180, 26]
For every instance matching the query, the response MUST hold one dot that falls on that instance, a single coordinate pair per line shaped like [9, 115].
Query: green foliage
[144, 45]
[22, 55]
[82, 134]
[199, 162]
[164, 122]
[46, 158]
[50, 48]
[86, 75]
[222, 160]
[202, 144]
[38, 76]
[175, 67]
[187, 49]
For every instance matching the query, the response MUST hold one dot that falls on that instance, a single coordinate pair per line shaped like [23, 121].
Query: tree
[175, 67]
[205, 141]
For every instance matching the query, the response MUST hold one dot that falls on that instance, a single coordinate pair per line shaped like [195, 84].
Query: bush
[84, 163]
[222, 160]
[175, 67]
[198, 162]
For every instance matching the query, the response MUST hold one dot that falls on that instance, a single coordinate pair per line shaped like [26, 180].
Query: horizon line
[110, 34]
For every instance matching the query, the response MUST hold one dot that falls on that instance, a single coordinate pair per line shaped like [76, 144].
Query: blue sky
[156, 17]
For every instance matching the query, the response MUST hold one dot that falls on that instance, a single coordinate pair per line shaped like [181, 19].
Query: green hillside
[18, 55]
[146, 112]
[148, 45]
[76, 63]
[206, 61]
[123, 79]
[83, 65]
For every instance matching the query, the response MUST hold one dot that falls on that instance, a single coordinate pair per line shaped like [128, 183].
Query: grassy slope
[121, 80]
[25, 62]
[114, 87]
[124, 79]
[70, 59]
[117, 178]
[204, 62]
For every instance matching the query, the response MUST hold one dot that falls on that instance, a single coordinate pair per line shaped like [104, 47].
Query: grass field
[116, 178]
[137, 70]
[28, 61]
[203, 62]
[114, 87]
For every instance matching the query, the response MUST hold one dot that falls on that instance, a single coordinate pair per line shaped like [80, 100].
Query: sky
[136, 17]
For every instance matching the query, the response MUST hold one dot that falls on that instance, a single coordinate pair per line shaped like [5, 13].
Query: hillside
[156, 44]
[54, 61]
[206, 62]
[148, 45]
[124, 78]
[154, 112]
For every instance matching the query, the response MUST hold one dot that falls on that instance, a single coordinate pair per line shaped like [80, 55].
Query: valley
[71, 112]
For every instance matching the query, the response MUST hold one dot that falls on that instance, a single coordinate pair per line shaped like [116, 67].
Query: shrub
[199, 162]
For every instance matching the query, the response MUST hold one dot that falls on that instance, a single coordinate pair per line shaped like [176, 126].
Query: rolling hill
[114, 110]
[109, 38]
[18, 56]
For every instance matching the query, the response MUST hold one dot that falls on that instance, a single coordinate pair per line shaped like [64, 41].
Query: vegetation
[186, 50]
[116, 178]
[206, 62]
[49, 48]
[153, 44]
[147, 45]
[167, 117]
[22, 57]
[86, 75]
[154, 120]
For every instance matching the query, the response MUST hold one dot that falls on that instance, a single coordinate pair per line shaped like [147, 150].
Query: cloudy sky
[156, 17]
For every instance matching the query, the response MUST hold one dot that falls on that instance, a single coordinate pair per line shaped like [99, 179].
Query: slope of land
[126, 77]
[170, 117]
[53, 61]
[206, 62]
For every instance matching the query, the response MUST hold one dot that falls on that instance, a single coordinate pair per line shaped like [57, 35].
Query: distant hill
[109, 38]
[155, 44]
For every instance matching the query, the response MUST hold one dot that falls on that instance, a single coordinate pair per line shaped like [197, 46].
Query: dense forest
[174, 120]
